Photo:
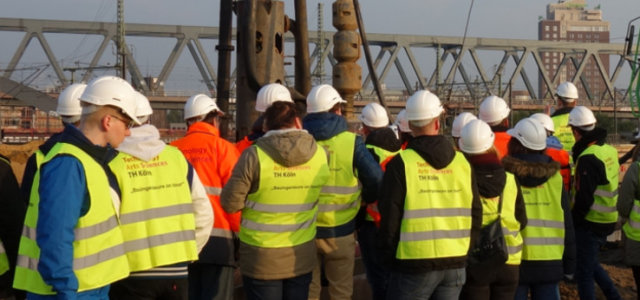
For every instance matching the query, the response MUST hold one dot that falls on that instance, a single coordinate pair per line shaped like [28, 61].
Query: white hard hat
[493, 110]
[199, 105]
[545, 120]
[69, 100]
[530, 133]
[581, 116]
[322, 98]
[423, 105]
[476, 137]
[143, 107]
[270, 93]
[374, 115]
[458, 123]
[402, 122]
[114, 91]
[567, 91]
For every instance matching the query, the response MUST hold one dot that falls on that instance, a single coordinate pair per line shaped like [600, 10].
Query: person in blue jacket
[335, 235]
[68, 202]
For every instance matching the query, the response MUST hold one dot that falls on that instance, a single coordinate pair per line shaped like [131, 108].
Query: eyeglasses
[129, 123]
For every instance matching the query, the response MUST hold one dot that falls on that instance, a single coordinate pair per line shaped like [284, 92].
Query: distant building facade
[569, 20]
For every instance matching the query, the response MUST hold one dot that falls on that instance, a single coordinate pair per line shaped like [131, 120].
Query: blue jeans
[377, 276]
[436, 285]
[543, 291]
[286, 289]
[589, 269]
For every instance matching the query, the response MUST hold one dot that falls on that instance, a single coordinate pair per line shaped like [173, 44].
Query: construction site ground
[611, 256]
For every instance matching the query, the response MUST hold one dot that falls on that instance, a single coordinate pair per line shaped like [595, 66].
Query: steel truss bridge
[419, 62]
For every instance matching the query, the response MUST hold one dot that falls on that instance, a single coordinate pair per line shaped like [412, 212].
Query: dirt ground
[610, 257]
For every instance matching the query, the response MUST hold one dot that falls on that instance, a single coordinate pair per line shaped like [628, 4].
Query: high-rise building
[570, 21]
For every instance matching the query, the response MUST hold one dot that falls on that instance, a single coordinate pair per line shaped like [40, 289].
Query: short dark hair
[281, 114]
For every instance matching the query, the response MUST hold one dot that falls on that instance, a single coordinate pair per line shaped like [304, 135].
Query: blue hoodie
[326, 125]
[64, 198]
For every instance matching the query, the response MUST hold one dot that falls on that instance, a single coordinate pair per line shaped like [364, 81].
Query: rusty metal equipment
[261, 28]
[347, 74]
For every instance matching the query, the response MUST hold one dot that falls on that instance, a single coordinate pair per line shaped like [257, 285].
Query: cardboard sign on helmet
[476, 137]
[530, 133]
[113, 91]
[270, 93]
[374, 115]
[423, 105]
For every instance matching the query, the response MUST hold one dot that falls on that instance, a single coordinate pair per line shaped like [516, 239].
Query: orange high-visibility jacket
[213, 158]
[243, 144]
[562, 157]
[501, 143]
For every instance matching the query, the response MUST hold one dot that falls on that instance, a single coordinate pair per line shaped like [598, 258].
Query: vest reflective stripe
[279, 208]
[544, 241]
[156, 211]
[98, 255]
[277, 228]
[544, 234]
[508, 221]
[339, 197]
[434, 223]
[437, 212]
[4, 260]
[214, 191]
[222, 233]
[605, 198]
[282, 212]
[563, 131]
[631, 228]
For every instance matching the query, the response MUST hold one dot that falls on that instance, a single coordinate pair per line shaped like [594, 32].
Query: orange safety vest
[213, 158]
[501, 143]
[562, 157]
[243, 144]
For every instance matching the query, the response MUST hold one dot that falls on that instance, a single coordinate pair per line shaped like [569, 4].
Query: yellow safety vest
[437, 209]
[605, 198]
[4, 260]
[383, 155]
[632, 227]
[544, 234]
[98, 254]
[510, 225]
[156, 211]
[339, 198]
[282, 212]
[563, 131]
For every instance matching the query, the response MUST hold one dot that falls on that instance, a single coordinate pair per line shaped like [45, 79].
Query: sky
[513, 19]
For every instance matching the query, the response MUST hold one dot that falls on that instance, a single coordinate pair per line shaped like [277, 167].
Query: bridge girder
[395, 50]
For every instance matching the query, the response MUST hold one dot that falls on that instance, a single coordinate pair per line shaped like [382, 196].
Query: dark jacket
[383, 138]
[533, 170]
[325, 125]
[590, 172]
[491, 179]
[562, 111]
[11, 219]
[438, 152]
